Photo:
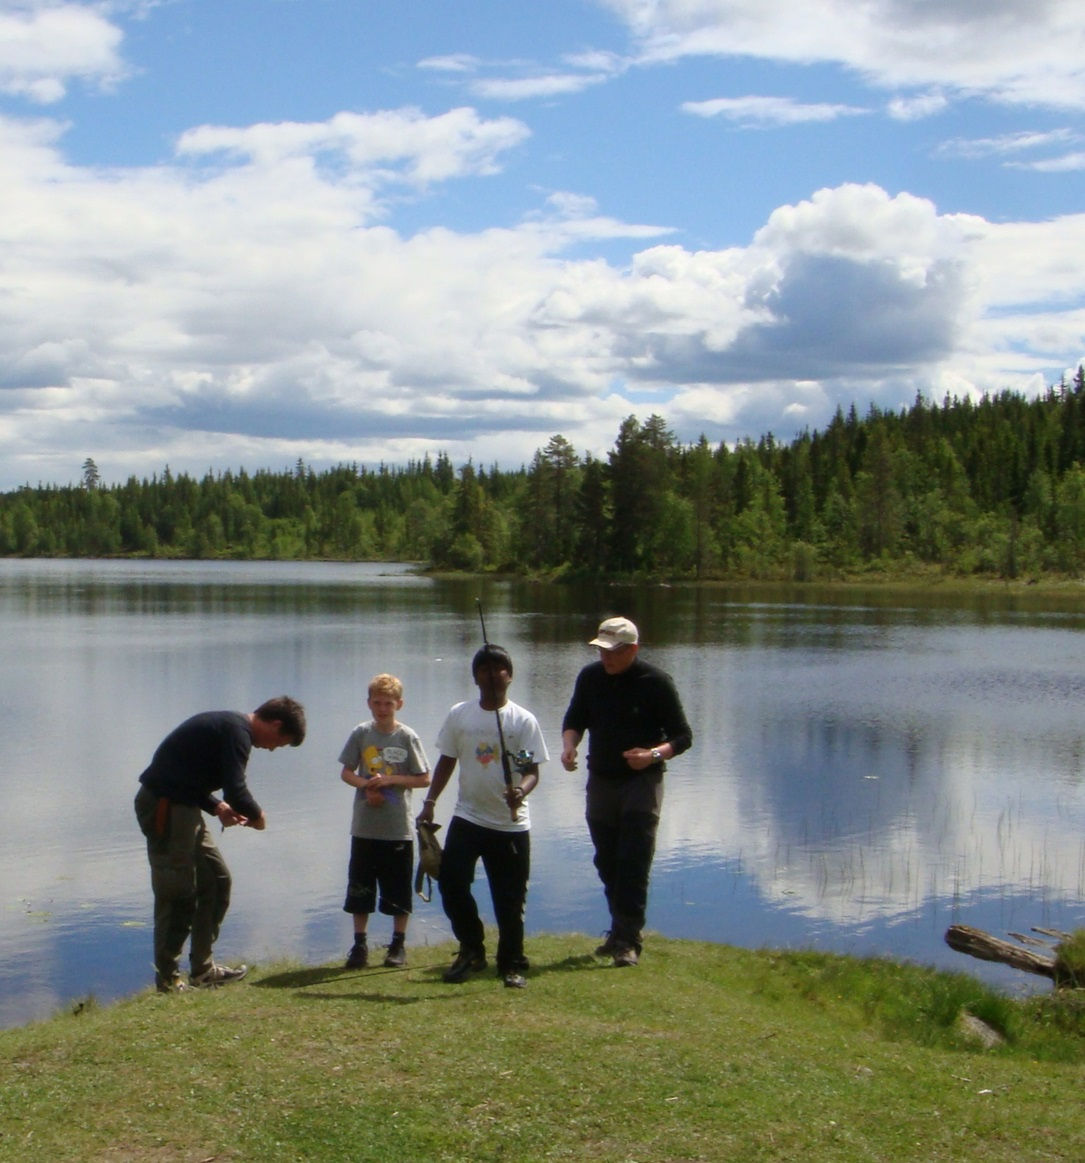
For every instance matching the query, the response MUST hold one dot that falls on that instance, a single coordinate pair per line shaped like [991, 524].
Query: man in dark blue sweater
[191, 883]
[635, 723]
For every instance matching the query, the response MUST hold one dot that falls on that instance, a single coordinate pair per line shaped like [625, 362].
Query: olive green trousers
[190, 881]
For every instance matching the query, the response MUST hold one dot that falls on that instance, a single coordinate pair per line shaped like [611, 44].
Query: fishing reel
[522, 760]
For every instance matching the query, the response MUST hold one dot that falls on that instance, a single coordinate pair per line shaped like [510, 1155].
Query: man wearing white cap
[635, 723]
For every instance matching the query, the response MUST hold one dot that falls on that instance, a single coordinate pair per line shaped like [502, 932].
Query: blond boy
[383, 760]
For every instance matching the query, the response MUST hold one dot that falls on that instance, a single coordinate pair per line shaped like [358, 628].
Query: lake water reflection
[865, 771]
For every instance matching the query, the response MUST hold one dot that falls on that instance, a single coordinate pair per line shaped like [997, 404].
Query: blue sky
[240, 232]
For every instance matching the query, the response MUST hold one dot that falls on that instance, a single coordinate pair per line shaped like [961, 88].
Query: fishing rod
[522, 760]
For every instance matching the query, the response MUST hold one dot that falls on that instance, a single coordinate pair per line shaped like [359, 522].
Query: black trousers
[623, 816]
[506, 857]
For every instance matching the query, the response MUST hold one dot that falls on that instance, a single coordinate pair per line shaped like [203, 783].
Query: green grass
[703, 1052]
[1070, 960]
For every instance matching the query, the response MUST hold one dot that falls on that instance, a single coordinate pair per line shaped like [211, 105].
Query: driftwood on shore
[977, 943]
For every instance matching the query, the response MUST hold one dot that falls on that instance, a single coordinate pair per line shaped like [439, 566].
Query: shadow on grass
[303, 977]
[307, 980]
[570, 964]
[396, 999]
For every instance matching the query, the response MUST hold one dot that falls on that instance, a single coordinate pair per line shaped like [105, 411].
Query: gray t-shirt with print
[369, 752]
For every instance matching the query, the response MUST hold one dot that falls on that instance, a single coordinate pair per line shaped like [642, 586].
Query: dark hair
[289, 714]
[491, 652]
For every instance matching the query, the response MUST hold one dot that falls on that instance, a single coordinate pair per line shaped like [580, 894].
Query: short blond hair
[386, 684]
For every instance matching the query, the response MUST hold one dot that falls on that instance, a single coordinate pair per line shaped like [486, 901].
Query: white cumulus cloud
[44, 47]
[1015, 51]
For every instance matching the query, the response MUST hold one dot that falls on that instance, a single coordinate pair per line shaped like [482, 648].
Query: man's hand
[425, 816]
[570, 741]
[227, 817]
[639, 758]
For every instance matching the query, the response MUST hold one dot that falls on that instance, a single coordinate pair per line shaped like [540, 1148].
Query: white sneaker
[218, 975]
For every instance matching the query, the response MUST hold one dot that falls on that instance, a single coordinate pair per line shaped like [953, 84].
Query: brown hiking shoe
[624, 955]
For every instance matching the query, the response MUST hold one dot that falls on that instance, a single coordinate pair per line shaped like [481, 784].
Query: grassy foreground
[703, 1052]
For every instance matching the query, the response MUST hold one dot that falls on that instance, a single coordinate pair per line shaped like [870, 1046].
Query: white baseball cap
[615, 633]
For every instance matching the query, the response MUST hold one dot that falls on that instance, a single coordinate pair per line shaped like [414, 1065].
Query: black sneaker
[358, 957]
[467, 961]
[397, 955]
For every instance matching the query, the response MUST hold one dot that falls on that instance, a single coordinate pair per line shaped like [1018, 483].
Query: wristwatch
[657, 755]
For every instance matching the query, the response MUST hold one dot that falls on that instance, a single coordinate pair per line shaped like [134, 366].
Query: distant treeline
[990, 488]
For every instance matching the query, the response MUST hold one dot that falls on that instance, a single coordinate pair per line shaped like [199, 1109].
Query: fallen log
[1053, 933]
[977, 943]
[1025, 939]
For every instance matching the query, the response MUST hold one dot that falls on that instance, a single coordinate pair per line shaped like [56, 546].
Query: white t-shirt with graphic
[372, 752]
[469, 735]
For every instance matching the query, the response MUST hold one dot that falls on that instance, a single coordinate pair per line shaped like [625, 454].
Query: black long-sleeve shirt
[639, 707]
[204, 754]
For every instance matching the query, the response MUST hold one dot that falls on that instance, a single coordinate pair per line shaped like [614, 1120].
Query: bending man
[189, 877]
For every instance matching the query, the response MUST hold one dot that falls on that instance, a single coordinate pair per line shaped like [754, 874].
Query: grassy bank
[704, 1052]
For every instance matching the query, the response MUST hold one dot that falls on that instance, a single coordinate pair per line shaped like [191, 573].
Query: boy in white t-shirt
[382, 760]
[490, 821]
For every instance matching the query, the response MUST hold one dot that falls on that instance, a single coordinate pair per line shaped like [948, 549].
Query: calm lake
[865, 771]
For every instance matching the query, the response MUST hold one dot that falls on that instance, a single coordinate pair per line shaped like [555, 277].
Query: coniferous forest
[991, 488]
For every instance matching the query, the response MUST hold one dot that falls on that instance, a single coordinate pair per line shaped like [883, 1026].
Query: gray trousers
[190, 881]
